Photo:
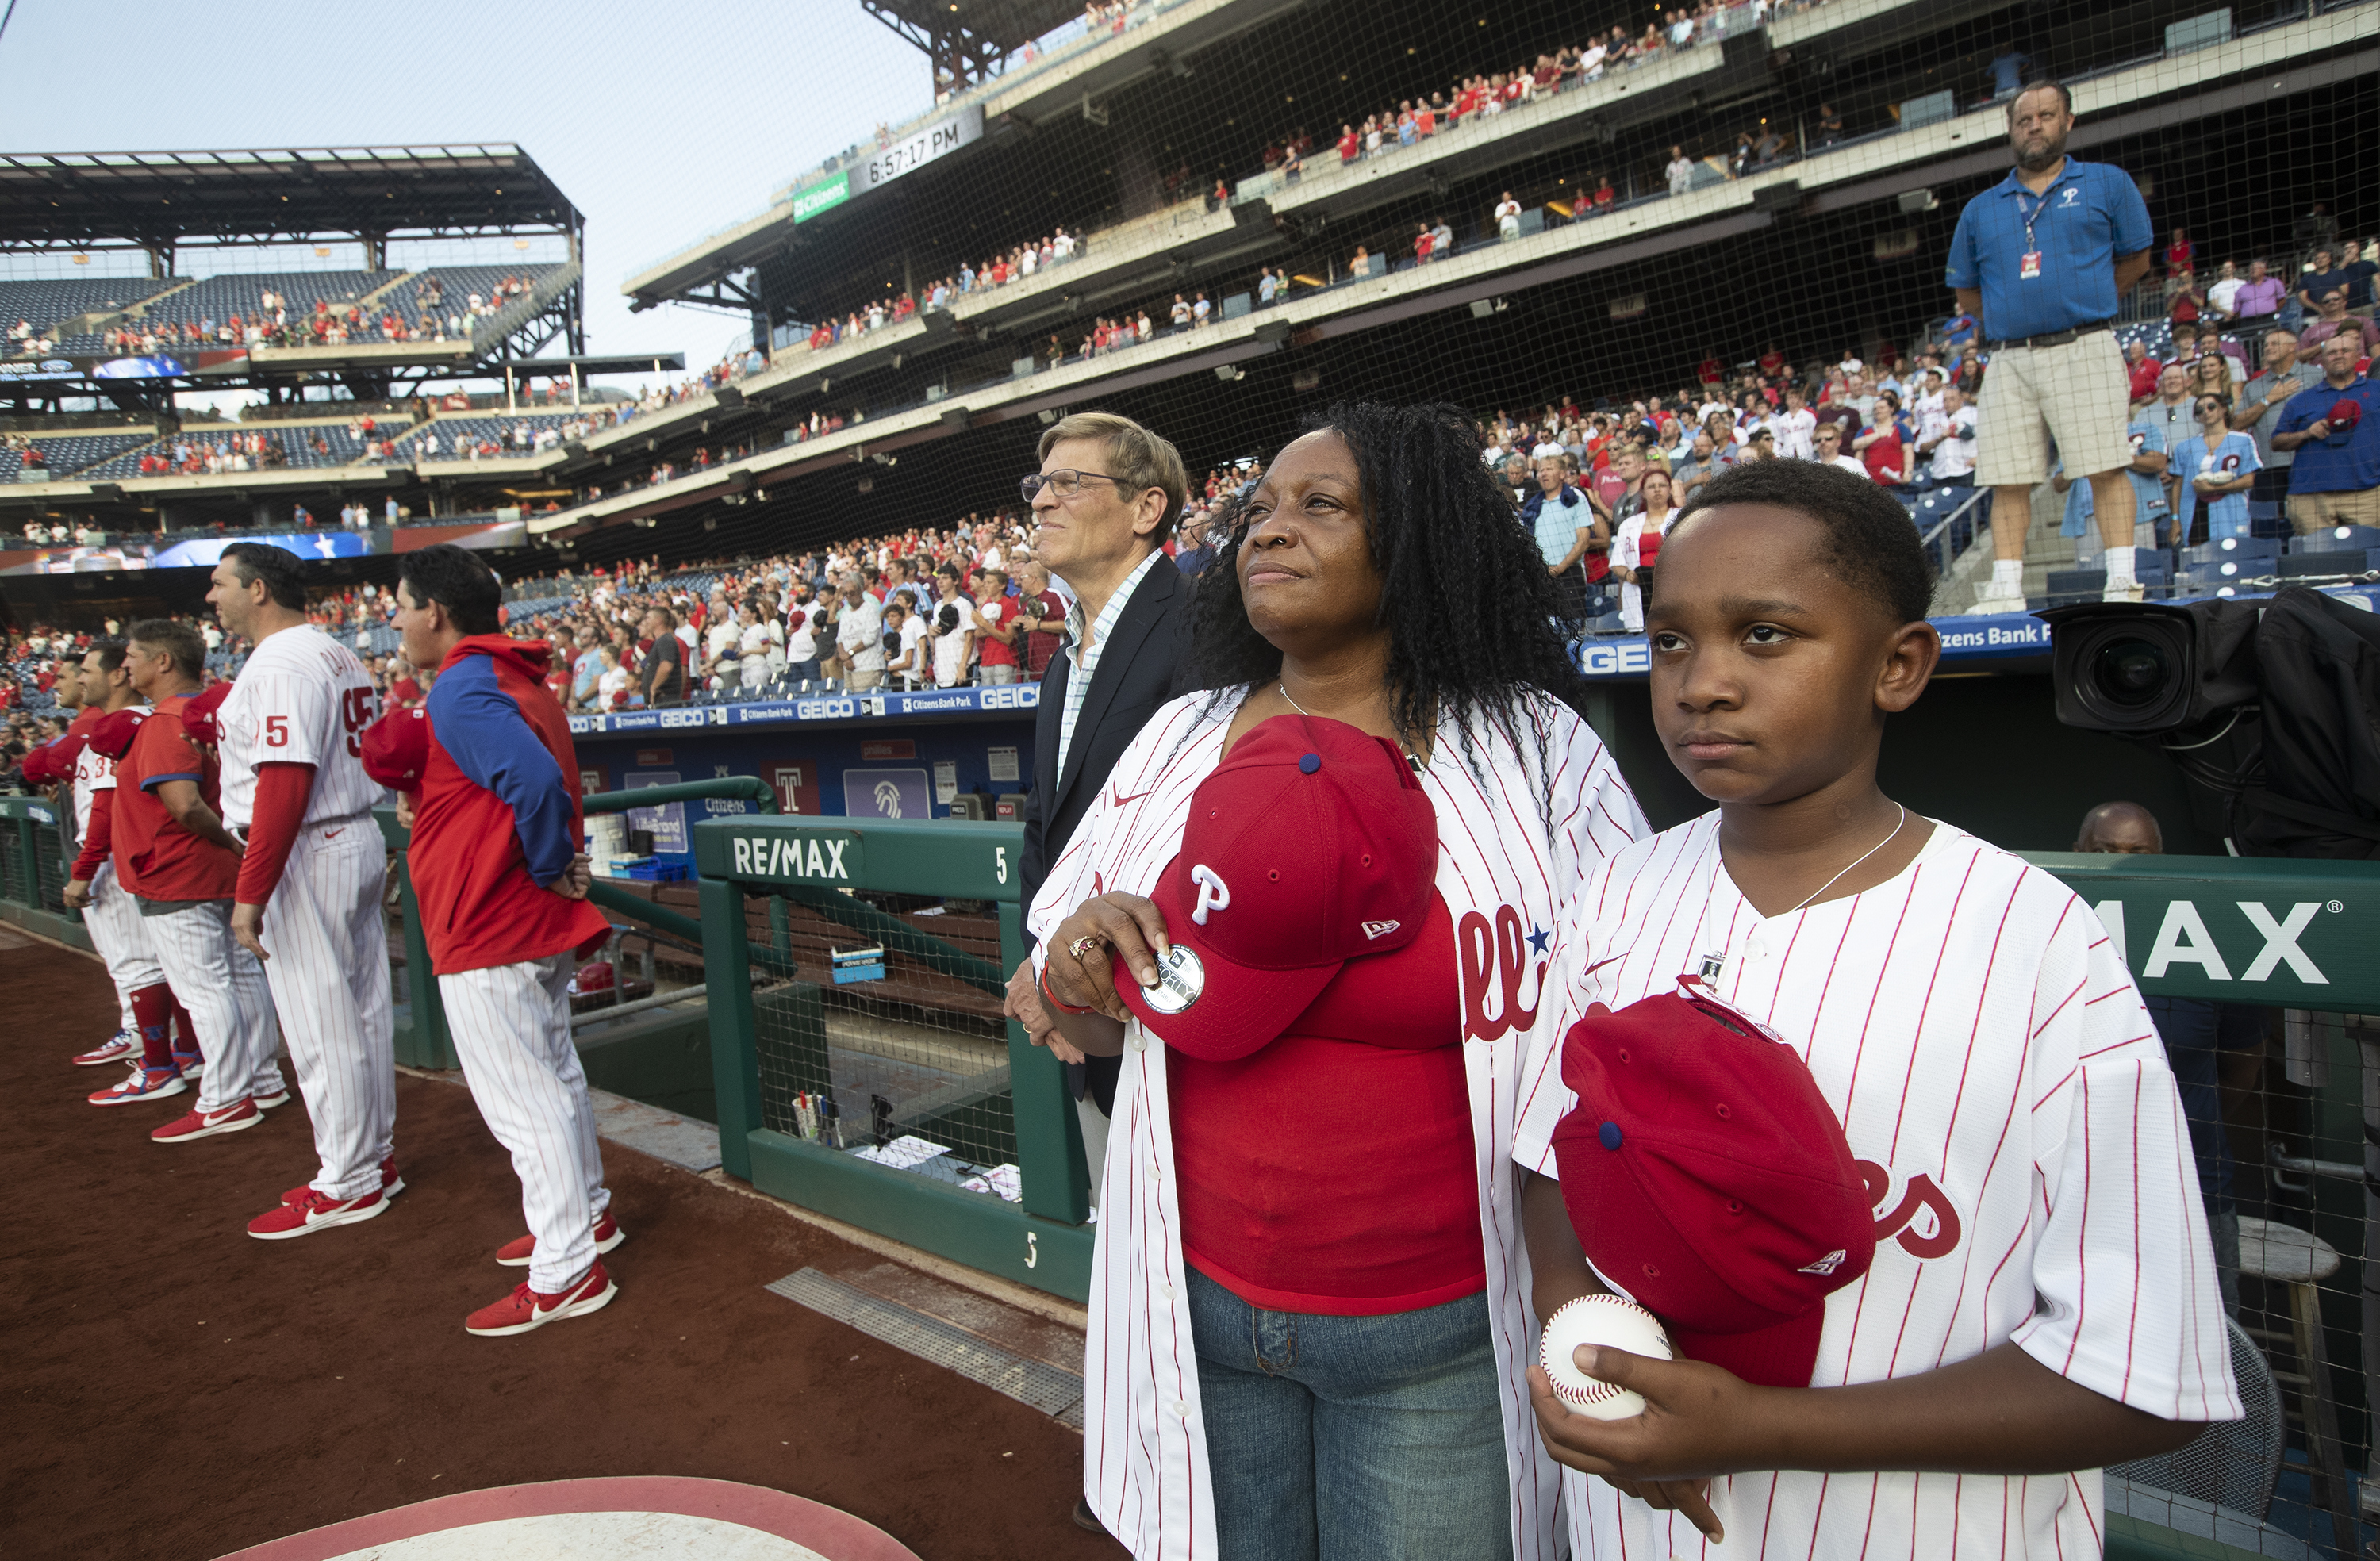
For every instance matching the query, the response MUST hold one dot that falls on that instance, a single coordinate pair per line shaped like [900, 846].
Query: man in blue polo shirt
[2041, 259]
[2334, 430]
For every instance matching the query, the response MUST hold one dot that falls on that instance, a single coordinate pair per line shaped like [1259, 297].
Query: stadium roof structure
[161, 199]
[969, 38]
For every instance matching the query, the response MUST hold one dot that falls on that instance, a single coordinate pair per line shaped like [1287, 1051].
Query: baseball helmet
[396, 748]
[199, 715]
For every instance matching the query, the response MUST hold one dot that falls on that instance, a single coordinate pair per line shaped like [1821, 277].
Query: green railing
[816, 864]
[423, 1041]
[34, 870]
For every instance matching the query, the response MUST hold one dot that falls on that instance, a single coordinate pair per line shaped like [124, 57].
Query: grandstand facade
[1760, 180]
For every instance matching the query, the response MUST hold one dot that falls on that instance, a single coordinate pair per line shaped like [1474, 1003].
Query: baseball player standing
[118, 930]
[2040, 1301]
[503, 891]
[171, 850]
[308, 901]
[76, 692]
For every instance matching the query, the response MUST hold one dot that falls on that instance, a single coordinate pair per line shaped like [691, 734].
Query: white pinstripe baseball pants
[218, 981]
[113, 920]
[329, 976]
[510, 1026]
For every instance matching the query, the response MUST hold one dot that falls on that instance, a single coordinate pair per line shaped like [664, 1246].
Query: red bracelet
[1054, 1000]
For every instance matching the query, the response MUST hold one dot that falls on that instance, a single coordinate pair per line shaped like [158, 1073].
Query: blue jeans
[1376, 1438]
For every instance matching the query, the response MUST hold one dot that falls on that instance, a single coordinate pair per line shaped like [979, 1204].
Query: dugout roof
[51, 199]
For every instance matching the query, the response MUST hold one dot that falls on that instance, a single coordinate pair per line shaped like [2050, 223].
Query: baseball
[1600, 1320]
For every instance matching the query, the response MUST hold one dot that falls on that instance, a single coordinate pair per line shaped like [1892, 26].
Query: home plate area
[626, 1519]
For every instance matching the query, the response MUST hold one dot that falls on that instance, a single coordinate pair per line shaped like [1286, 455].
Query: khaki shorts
[2076, 394]
[2311, 512]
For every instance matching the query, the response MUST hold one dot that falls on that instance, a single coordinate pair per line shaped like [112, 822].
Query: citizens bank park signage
[1985, 637]
[829, 708]
[874, 170]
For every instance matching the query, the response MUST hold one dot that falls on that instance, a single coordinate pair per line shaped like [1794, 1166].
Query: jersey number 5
[276, 732]
[355, 713]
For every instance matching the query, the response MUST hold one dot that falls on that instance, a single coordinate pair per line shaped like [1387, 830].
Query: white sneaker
[1986, 602]
[2128, 590]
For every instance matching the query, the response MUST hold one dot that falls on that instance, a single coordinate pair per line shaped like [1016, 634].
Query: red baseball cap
[1313, 843]
[2342, 417]
[41, 767]
[199, 715]
[396, 747]
[1706, 1174]
[112, 733]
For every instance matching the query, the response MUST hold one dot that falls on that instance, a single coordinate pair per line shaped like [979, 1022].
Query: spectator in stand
[2213, 468]
[2332, 318]
[1568, 532]
[1880, 449]
[2260, 295]
[2046, 295]
[2315, 283]
[665, 680]
[1508, 217]
[2362, 274]
[2333, 432]
[995, 625]
[1698, 468]
[951, 628]
[1043, 616]
[1950, 448]
[2223, 296]
[860, 637]
[906, 665]
[1441, 240]
[2170, 409]
[1635, 545]
[2258, 412]
[1831, 453]
[2141, 368]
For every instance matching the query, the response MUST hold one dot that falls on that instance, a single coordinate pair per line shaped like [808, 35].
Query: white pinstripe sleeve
[2129, 1306]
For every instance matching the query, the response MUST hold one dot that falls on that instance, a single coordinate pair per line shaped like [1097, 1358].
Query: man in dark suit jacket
[1108, 495]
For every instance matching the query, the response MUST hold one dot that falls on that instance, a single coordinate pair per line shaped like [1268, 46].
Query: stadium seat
[2330, 562]
[2338, 539]
[2232, 550]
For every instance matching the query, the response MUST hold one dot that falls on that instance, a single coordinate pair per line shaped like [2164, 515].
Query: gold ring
[1082, 946]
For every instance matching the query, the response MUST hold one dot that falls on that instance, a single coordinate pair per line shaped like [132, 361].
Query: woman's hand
[1101, 928]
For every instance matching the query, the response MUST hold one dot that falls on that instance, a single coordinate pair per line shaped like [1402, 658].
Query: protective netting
[904, 1063]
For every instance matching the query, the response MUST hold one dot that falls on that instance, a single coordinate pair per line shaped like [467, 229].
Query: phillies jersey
[2021, 1139]
[88, 767]
[302, 698]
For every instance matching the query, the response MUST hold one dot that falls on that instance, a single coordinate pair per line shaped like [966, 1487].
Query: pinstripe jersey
[94, 772]
[302, 698]
[1502, 870]
[2009, 1103]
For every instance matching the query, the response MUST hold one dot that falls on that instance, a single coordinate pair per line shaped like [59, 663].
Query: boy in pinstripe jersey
[2040, 1301]
[503, 891]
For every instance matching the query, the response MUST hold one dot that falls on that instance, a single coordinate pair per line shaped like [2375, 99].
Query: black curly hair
[1475, 623]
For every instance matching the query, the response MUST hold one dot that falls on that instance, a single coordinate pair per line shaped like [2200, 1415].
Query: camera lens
[2132, 672]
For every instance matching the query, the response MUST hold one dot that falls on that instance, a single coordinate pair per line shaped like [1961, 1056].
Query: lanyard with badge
[2028, 265]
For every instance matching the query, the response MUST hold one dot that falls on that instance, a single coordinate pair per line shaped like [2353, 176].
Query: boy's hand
[1694, 1425]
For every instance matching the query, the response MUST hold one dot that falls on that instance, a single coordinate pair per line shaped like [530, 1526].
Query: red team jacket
[497, 813]
[156, 858]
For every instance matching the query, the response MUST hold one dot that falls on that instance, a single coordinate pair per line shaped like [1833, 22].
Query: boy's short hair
[1871, 544]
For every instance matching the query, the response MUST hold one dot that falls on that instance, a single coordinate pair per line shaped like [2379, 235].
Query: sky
[661, 124]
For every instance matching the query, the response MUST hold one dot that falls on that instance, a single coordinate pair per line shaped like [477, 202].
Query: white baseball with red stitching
[1600, 1320]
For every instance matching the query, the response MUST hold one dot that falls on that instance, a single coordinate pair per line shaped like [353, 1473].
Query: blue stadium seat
[2339, 539]
[2232, 550]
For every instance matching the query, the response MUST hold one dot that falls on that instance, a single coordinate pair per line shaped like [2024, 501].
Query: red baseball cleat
[314, 1212]
[239, 1115]
[525, 1309]
[142, 1084]
[391, 1184]
[121, 1047]
[516, 1254]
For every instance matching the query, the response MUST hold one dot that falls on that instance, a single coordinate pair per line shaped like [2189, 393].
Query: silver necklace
[1412, 760]
[1864, 856]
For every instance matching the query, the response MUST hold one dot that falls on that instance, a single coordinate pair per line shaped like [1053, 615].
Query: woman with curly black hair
[1324, 887]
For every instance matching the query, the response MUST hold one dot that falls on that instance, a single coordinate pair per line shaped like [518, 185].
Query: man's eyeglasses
[1064, 484]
